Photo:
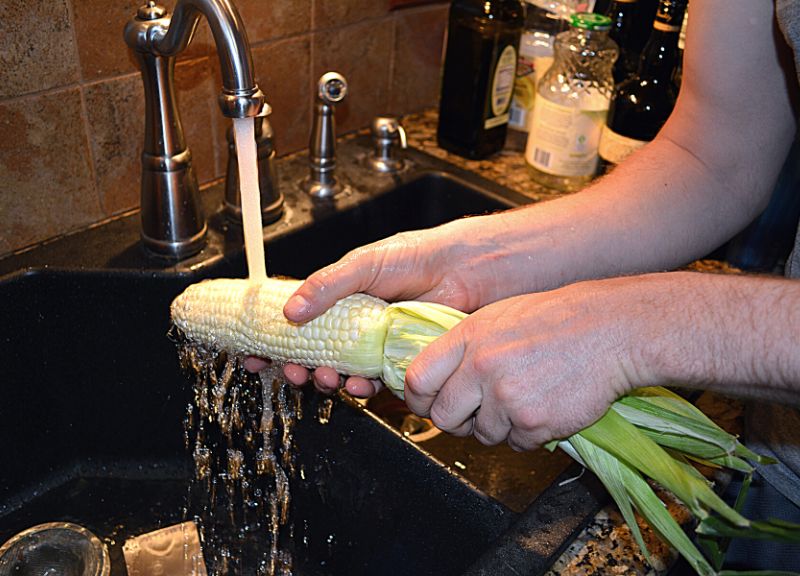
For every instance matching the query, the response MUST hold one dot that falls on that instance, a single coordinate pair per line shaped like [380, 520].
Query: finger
[362, 387]
[431, 369]
[457, 401]
[523, 440]
[253, 364]
[492, 426]
[326, 380]
[296, 375]
[325, 287]
[466, 429]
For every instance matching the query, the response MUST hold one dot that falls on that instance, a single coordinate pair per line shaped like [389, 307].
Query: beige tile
[46, 185]
[419, 38]
[115, 109]
[197, 99]
[362, 53]
[37, 50]
[283, 69]
[268, 19]
[99, 25]
[332, 13]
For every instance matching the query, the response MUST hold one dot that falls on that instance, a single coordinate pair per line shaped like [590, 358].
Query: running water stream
[245, 136]
[239, 428]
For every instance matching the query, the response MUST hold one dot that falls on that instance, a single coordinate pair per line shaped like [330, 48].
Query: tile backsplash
[72, 109]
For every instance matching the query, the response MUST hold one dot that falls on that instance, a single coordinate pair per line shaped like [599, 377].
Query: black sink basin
[94, 401]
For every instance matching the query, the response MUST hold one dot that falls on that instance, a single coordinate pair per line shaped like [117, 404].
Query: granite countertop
[606, 546]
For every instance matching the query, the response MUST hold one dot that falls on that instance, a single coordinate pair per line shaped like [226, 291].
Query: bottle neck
[622, 16]
[660, 55]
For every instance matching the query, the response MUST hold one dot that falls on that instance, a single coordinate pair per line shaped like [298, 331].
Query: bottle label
[615, 147]
[502, 87]
[669, 15]
[664, 27]
[535, 58]
[563, 140]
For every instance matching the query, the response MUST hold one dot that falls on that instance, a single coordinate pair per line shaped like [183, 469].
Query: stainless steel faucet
[387, 135]
[322, 181]
[173, 223]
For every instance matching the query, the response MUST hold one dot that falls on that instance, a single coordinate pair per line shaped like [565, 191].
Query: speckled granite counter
[606, 546]
[508, 167]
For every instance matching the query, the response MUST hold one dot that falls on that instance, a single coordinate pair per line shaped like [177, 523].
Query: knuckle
[529, 419]
[485, 437]
[484, 362]
[507, 392]
[415, 379]
[442, 417]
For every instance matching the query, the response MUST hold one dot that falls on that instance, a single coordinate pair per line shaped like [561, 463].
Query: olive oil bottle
[478, 78]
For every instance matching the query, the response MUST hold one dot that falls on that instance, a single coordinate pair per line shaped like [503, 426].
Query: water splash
[239, 429]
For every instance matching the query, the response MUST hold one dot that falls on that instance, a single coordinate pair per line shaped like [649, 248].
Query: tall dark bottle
[623, 32]
[478, 79]
[642, 104]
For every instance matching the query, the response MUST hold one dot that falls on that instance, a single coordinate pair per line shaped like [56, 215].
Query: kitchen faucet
[173, 224]
[321, 181]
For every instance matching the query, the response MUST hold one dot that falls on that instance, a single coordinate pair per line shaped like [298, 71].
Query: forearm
[734, 334]
[708, 173]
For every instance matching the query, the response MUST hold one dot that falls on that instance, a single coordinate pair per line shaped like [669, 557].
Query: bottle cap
[590, 21]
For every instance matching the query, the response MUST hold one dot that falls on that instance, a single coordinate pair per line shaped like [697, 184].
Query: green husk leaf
[668, 400]
[607, 468]
[627, 486]
[774, 529]
[661, 420]
[758, 573]
[730, 462]
[622, 439]
[412, 326]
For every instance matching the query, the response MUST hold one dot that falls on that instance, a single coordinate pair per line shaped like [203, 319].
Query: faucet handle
[321, 181]
[386, 132]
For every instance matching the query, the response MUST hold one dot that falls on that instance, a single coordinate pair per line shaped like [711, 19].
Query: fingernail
[296, 307]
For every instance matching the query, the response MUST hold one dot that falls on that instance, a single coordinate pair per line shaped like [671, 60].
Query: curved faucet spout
[173, 224]
[171, 34]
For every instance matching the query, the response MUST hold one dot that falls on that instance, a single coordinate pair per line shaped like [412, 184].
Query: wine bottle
[478, 78]
[642, 104]
[623, 28]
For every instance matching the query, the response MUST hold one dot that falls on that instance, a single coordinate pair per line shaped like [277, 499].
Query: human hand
[325, 379]
[454, 264]
[534, 368]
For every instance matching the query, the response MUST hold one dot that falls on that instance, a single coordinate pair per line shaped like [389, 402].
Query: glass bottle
[642, 104]
[478, 78]
[571, 105]
[542, 23]
[623, 28]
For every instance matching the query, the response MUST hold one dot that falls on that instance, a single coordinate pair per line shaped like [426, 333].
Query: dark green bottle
[623, 32]
[642, 104]
[478, 79]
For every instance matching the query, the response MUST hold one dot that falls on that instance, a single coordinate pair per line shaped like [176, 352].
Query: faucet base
[175, 250]
[317, 189]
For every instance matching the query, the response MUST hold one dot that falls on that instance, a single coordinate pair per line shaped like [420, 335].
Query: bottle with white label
[478, 78]
[571, 105]
[542, 22]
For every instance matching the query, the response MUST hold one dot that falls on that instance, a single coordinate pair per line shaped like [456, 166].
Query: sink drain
[54, 549]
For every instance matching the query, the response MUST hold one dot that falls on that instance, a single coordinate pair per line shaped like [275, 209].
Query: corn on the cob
[360, 335]
[651, 432]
